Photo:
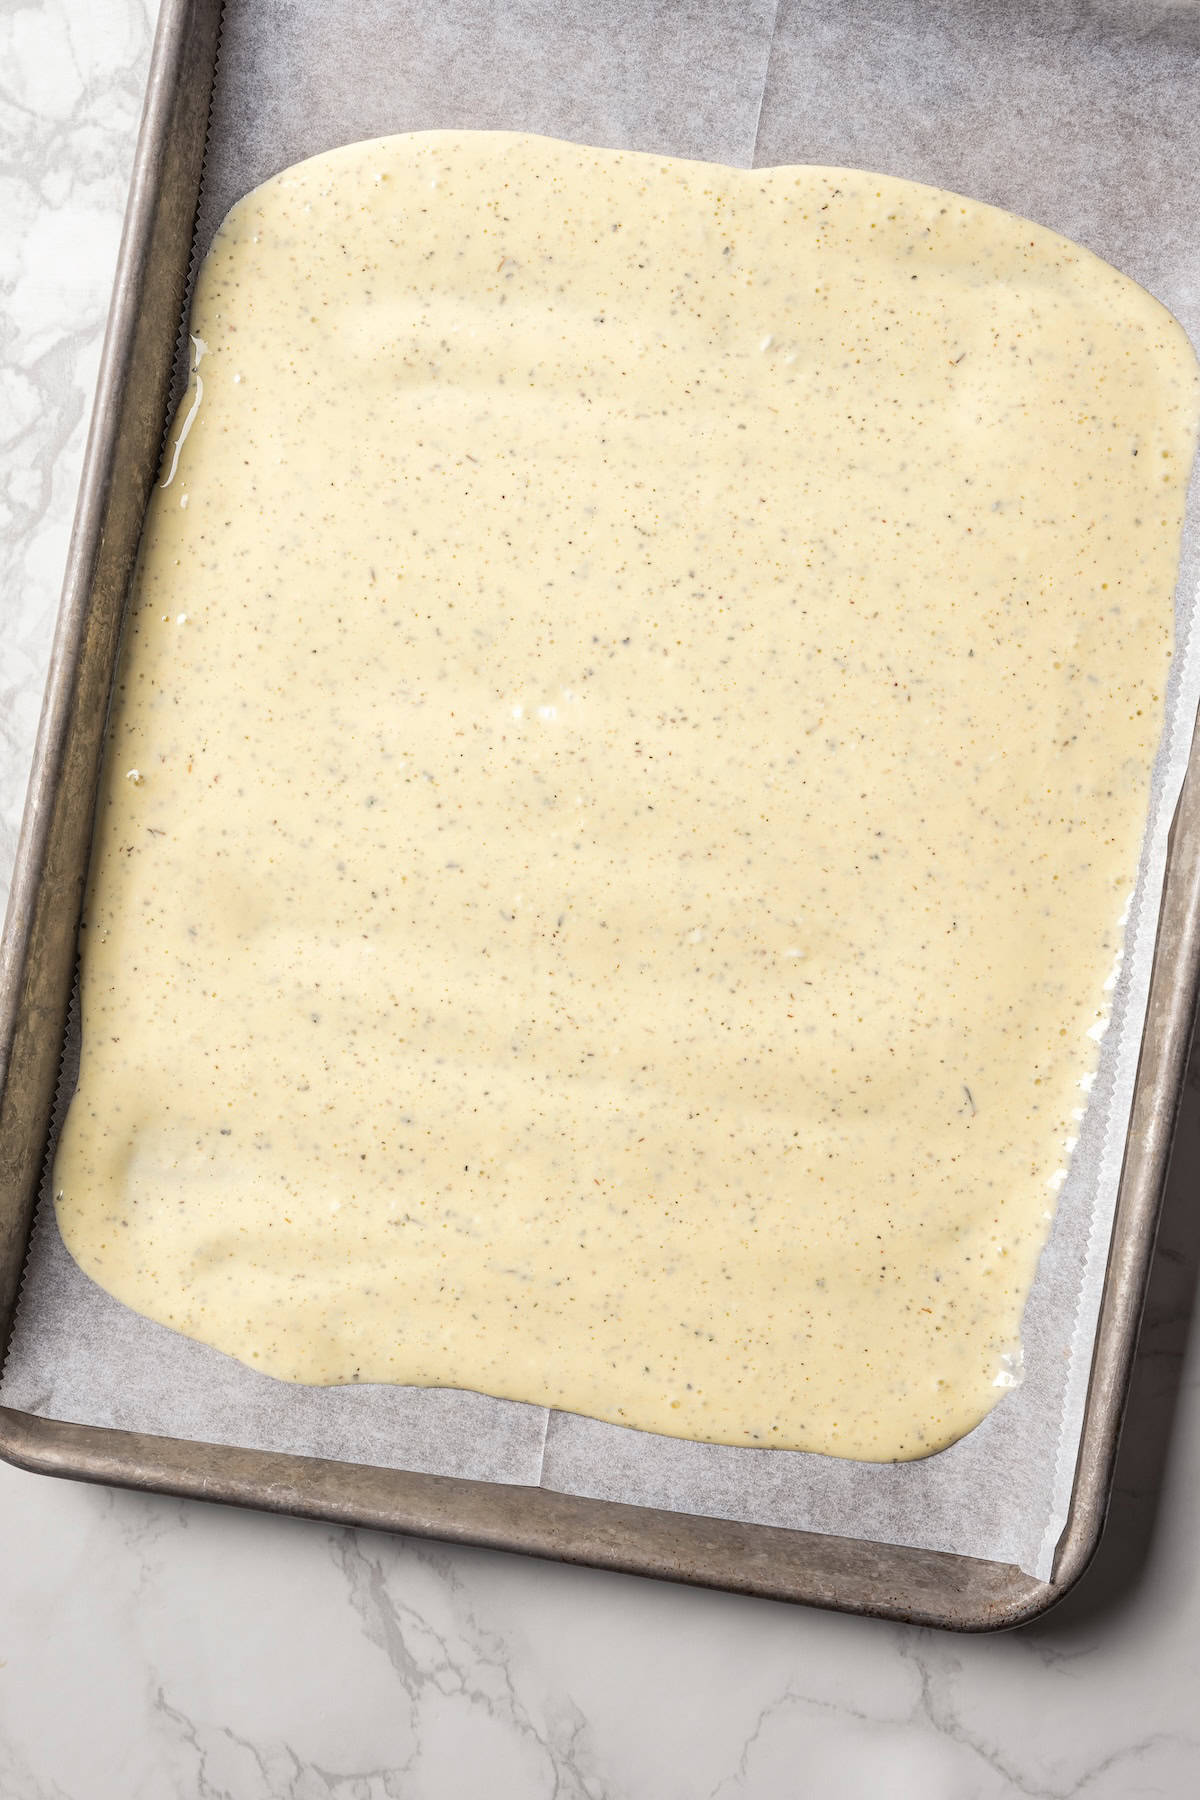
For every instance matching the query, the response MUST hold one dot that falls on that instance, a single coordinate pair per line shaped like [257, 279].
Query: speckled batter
[630, 758]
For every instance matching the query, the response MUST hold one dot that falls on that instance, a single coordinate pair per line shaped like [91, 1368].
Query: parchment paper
[1085, 117]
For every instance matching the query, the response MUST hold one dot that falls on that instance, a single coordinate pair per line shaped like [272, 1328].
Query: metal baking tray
[37, 965]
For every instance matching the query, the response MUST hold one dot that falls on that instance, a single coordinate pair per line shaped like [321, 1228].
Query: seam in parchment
[547, 1413]
[762, 93]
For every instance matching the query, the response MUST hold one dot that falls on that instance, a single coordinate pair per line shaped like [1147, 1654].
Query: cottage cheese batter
[629, 761]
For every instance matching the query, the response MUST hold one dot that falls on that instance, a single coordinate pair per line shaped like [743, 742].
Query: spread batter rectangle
[630, 756]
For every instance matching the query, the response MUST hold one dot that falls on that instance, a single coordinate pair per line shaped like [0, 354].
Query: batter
[629, 762]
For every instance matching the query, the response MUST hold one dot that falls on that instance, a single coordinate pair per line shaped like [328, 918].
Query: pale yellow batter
[630, 758]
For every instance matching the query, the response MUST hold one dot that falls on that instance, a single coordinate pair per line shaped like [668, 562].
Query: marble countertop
[151, 1648]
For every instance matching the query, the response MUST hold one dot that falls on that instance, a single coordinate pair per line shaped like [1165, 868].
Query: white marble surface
[151, 1649]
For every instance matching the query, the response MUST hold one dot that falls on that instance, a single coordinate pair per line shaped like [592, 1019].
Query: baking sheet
[1088, 121]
